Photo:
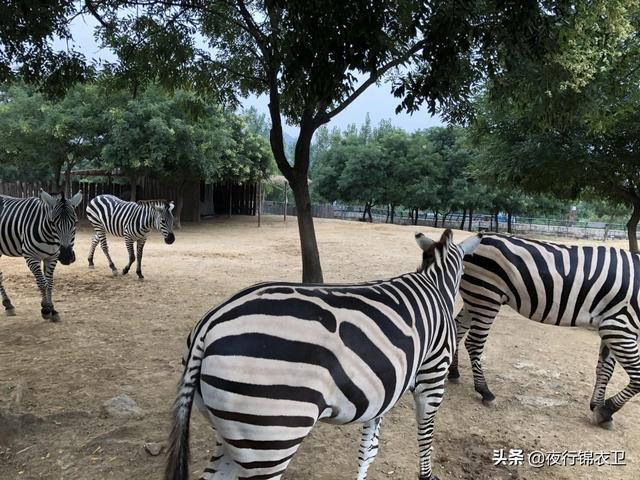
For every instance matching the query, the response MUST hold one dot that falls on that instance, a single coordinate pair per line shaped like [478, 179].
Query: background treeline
[170, 135]
[441, 170]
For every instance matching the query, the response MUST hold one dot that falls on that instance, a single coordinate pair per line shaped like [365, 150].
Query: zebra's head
[164, 221]
[444, 258]
[63, 218]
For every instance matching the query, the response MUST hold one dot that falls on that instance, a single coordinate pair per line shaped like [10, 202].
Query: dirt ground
[119, 336]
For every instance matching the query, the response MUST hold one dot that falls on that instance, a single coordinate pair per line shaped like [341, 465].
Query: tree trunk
[369, 210]
[386, 220]
[393, 212]
[311, 268]
[632, 226]
[67, 181]
[495, 215]
[364, 212]
[444, 219]
[415, 217]
[509, 222]
[464, 217]
[470, 219]
[435, 219]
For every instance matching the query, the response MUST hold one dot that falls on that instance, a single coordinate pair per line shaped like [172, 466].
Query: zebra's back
[551, 283]
[334, 343]
[112, 214]
[18, 218]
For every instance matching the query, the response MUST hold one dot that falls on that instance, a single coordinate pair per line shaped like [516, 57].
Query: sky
[377, 101]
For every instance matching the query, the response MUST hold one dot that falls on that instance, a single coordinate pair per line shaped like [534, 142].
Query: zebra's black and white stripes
[42, 230]
[577, 286]
[271, 361]
[133, 221]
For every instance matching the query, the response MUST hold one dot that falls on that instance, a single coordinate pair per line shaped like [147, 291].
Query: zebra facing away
[591, 287]
[133, 221]
[268, 363]
[42, 230]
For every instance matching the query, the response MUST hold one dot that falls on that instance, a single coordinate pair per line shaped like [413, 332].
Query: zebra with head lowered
[133, 221]
[42, 230]
[576, 286]
[268, 363]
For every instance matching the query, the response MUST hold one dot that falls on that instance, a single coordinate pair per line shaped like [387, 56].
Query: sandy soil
[119, 335]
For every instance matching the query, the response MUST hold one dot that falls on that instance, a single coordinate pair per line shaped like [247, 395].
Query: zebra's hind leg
[132, 257]
[623, 343]
[221, 466]
[462, 327]
[604, 370]
[95, 239]
[9, 309]
[368, 446]
[474, 343]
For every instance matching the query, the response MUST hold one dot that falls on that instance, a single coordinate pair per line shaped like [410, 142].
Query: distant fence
[482, 221]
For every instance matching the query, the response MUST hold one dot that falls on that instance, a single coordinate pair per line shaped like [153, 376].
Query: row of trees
[432, 170]
[175, 136]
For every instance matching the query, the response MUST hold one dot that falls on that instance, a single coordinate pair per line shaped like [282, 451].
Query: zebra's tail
[177, 467]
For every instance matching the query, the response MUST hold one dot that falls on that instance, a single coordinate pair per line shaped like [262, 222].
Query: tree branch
[322, 118]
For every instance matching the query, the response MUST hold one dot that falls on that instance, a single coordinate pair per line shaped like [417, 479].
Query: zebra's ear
[159, 208]
[468, 245]
[171, 206]
[423, 241]
[48, 199]
[76, 199]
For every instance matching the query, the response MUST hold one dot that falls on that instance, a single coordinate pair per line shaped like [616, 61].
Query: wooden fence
[150, 190]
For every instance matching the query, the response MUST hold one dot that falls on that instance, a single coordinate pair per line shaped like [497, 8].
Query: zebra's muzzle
[67, 256]
[169, 239]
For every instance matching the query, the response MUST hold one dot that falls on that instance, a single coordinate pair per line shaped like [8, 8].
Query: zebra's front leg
[6, 301]
[105, 249]
[128, 241]
[34, 265]
[368, 446]
[49, 268]
[604, 370]
[428, 394]
[140, 247]
[623, 343]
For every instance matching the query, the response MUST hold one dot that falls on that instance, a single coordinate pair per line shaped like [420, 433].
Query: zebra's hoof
[453, 379]
[45, 315]
[55, 317]
[603, 417]
[141, 279]
[10, 312]
[489, 403]
[91, 267]
[114, 273]
[424, 477]
[124, 271]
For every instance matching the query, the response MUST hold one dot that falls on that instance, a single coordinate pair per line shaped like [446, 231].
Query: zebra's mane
[153, 203]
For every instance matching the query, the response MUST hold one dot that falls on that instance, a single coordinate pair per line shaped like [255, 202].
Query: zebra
[577, 286]
[42, 231]
[272, 360]
[133, 221]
